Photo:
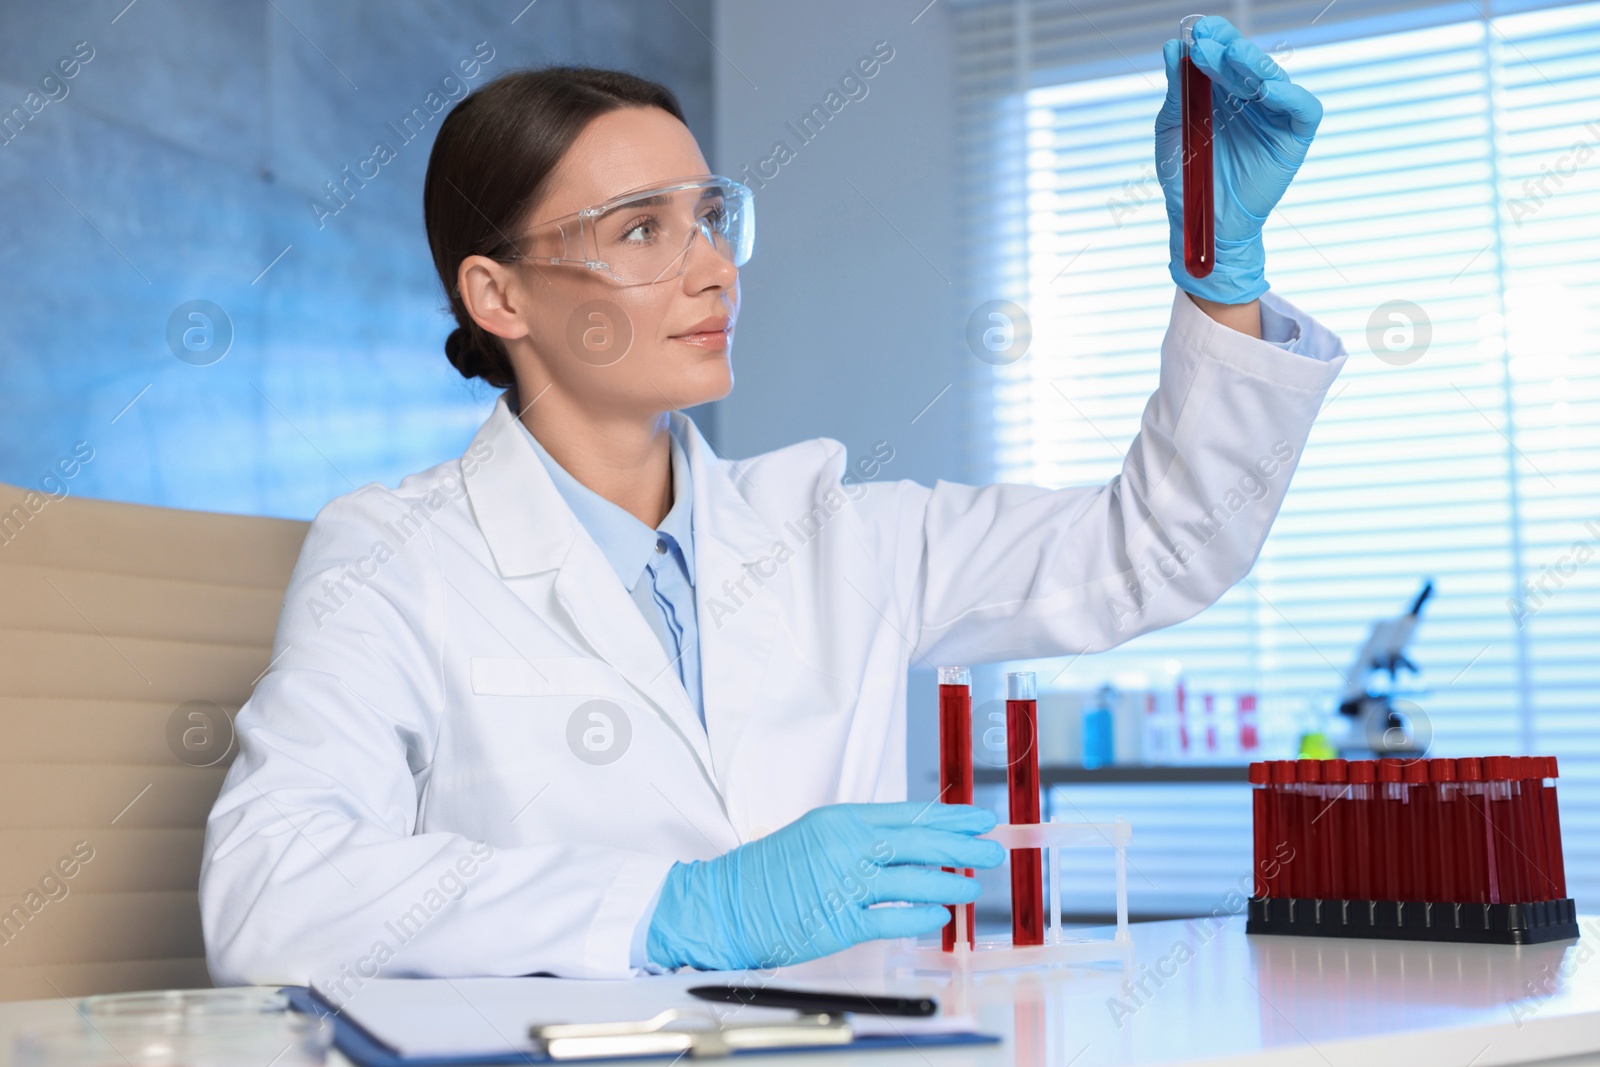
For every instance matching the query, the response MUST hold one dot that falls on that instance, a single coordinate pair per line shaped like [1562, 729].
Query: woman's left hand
[1262, 125]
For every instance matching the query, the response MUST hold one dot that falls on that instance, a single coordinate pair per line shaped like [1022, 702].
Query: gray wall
[847, 327]
[182, 160]
[850, 324]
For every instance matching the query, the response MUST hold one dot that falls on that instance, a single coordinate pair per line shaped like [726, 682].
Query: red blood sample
[1391, 805]
[1419, 871]
[1285, 850]
[1363, 775]
[1249, 734]
[1022, 784]
[1335, 814]
[1530, 828]
[1552, 828]
[955, 764]
[1446, 837]
[1477, 835]
[1261, 825]
[1312, 877]
[1527, 850]
[1183, 722]
[1199, 206]
[1504, 887]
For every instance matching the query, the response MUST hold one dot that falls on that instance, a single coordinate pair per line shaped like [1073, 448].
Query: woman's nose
[721, 262]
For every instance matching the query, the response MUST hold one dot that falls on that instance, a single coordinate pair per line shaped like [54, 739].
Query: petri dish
[234, 1000]
[183, 1028]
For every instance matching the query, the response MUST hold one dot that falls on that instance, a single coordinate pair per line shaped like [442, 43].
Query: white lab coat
[418, 793]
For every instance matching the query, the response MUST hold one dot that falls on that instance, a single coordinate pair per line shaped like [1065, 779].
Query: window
[1457, 168]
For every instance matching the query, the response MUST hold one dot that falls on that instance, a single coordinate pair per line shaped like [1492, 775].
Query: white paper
[491, 1016]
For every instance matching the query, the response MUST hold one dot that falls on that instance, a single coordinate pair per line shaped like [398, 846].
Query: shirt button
[661, 545]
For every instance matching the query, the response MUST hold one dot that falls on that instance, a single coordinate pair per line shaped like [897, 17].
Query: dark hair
[489, 167]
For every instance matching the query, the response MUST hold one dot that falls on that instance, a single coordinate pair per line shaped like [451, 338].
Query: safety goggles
[643, 236]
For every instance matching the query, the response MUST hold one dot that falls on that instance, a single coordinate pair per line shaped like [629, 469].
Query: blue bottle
[1097, 735]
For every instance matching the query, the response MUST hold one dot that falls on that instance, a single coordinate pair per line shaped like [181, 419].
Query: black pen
[813, 1002]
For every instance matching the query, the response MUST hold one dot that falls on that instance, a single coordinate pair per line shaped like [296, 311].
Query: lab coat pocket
[533, 676]
[533, 714]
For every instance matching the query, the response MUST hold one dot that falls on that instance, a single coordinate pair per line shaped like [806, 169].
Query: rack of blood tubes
[1035, 847]
[1419, 849]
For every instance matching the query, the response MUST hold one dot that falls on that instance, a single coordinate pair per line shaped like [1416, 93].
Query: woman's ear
[493, 295]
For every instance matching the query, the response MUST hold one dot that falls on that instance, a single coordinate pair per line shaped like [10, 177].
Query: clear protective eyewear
[643, 236]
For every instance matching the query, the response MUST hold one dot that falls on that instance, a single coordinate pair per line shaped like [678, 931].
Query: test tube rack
[1462, 850]
[972, 955]
[1024, 839]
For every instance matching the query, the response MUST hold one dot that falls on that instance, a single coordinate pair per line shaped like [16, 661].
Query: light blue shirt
[655, 566]
[1281, 330]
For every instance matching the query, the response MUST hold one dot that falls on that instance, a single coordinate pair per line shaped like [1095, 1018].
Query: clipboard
[366, 1050]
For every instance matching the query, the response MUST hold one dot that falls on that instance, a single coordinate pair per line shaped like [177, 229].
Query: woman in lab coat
[590, 699]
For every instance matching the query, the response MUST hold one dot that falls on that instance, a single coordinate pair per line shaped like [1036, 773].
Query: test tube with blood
[1363, 775]
[1314, 874]
[955, 766]
[1199, 207]
[1333, 813]
[1390, 809]
[1022, 781]
[1552, 825]
[1287, 851]
[1477, 833]
[1280, 855]
[1262, 812]
[1421, 872]
[1497, 790]
[1444, 848]
[1530, 832]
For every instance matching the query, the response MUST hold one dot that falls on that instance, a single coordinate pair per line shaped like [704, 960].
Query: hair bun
[473, 361]
[465, 358]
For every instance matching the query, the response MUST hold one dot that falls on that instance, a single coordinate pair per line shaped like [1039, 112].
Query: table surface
[1200, 991]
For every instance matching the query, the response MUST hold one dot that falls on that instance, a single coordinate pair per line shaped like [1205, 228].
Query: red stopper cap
[1282, 771]
[1441, 770]
[1550, 767]
[1308, 770]
[1414, 771]
[1336, 771]
[1363, 772]
[1496, 768]
[1524, 767]
[1469, 769]
[1388, 770]
[1260, 773]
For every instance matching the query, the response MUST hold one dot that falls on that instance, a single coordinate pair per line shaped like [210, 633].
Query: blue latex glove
[804, 891]
[1262, 125]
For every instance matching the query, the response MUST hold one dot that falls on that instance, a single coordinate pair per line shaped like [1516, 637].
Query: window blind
[1458, 168]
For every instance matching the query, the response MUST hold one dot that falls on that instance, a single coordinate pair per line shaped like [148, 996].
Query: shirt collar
[627, 543]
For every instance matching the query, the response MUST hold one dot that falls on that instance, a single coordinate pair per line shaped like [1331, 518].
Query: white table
[1206, 993]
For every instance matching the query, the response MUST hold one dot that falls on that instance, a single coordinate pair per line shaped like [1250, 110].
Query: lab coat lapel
[739, 591]
[588, 590]
[530, 529]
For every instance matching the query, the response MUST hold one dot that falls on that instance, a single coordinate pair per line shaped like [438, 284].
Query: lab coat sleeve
[996, 572]
[313, 870]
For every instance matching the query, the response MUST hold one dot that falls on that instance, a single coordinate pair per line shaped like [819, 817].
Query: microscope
[1381, 723]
